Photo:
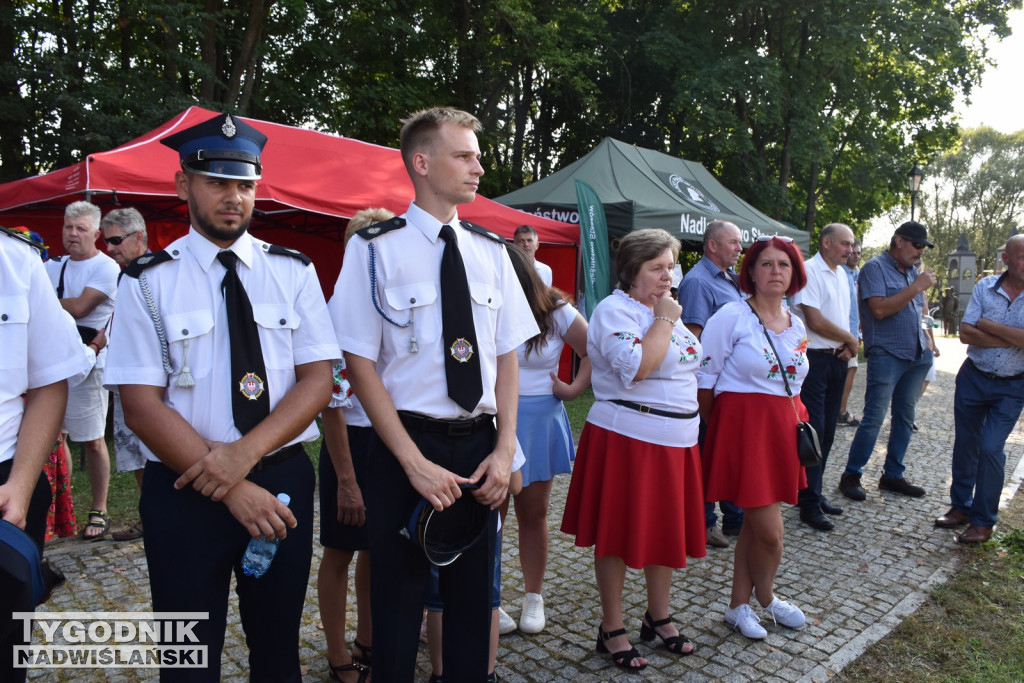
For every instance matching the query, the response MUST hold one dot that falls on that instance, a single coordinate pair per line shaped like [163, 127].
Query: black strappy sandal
[334, 672]
[621, 659]
[673, 644]
[365, 656]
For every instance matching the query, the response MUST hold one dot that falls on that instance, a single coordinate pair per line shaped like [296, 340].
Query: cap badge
[461, 350]
[251, 386]
[228, 129]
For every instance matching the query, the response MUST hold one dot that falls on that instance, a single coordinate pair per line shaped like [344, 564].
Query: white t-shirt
[98, 272]
[737, 357]
[534, 372]
[544, 270]
[829, 292]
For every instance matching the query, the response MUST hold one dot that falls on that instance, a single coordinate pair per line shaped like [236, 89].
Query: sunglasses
[919, 245]
[117, 240]
[769, 238]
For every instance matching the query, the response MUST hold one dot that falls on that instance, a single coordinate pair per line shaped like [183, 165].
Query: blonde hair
[365, 218]
[418, 129]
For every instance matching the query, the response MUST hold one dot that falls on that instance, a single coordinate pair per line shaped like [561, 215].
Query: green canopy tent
[642, 188]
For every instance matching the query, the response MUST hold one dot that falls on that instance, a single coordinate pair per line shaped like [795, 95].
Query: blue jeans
[821, 393]
[894, 381]
[985, 412]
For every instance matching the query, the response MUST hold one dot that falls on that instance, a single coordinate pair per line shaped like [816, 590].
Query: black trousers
[11, 632]
[194, 544]
[822, 394]
[399, 570]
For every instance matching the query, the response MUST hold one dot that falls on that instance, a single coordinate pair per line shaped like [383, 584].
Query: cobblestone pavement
[855, 583]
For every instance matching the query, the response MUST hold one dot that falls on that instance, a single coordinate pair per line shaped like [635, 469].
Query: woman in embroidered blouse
[636, 492]
[750, 447]
[542, 426]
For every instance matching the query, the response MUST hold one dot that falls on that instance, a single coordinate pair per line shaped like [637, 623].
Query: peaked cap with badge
[222, 147]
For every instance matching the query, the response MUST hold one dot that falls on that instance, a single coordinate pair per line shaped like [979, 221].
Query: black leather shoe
[813, 517]
[901, 486]
[830, 509]
[849, 486]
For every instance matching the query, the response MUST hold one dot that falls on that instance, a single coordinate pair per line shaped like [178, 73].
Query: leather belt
[831, 352]
[452, 428]
[994, 376]
[286, 453]
[640, 408]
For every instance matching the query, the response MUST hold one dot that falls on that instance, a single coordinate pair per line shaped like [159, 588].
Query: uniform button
[283, 321]
[488, 300]
[184, 332]
[3, 317]
[175, 252]
[412, 300]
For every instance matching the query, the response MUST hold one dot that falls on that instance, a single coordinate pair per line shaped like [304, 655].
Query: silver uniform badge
[228, 129]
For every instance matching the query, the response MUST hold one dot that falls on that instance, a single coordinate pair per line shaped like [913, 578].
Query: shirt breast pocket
[14, 340]
[277, 323]
[190, 342]
[486, 303]
[407, 303]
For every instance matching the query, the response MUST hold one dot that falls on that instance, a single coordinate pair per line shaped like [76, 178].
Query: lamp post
[914, 183]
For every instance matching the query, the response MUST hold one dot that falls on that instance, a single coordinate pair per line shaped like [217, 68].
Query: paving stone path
[855, 583]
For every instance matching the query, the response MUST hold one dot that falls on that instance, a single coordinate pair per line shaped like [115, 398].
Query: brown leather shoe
[975, 534]
[952, 519]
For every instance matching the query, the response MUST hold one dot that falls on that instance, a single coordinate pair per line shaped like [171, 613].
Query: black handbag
[808, 448]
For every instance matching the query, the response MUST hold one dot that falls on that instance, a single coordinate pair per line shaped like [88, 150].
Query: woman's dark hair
[543, 300]
[796, 260]
[639, 247]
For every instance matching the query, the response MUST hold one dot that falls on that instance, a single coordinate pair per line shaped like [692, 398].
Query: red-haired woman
[750, 450]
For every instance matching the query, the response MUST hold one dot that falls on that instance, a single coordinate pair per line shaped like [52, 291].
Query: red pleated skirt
[749, 453]
[636, 500]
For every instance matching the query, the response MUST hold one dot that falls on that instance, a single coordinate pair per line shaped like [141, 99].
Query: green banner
[594, 243]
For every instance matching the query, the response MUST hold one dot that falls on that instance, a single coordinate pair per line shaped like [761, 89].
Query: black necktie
[461, 362]
[250, 400]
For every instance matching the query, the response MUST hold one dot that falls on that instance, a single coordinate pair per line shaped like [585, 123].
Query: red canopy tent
[312, 184]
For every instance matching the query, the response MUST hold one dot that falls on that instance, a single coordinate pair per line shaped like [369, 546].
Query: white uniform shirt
[544, 270]
[618, 324]
[98, 272]
[535, 371]
[407, 267]
[288, 306]
[39, 344]
[829, 292]
[737, 357]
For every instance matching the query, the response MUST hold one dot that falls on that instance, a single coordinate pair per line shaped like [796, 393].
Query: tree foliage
[810, 110]
[976, 190]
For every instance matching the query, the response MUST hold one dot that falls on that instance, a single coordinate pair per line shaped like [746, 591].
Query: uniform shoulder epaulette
[378, 229]
[135, 268]
[480, 230]
[285, 251]
[21, 238]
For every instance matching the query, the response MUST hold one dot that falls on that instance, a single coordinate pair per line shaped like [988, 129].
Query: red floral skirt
[60, 519]
[636, 500]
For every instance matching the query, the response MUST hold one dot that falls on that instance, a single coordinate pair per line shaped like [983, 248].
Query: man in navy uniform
[222, 351]
[435, 430]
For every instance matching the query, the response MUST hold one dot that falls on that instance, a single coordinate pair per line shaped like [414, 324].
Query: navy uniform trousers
[194, 544]
[399, 570]
[822, 394]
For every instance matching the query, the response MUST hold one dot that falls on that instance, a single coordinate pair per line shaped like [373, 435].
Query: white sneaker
[532, 618]
[506, 624]
[748, 623]
[786, 614]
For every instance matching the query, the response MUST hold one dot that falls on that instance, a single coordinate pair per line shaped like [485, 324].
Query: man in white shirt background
[525, 237]
[824, 305]
[86, 283]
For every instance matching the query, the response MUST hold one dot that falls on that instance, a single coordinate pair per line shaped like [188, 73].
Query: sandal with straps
[673, 644]
[365, 656]
[622, 659]
[334, 672]
[95, 519]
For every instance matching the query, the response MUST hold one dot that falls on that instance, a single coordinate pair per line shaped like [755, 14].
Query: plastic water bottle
[260, 552]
